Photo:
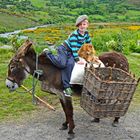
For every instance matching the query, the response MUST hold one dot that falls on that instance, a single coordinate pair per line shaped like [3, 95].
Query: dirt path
[44, 125]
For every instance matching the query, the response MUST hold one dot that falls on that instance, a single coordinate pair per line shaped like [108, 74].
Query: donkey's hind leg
[116, 122]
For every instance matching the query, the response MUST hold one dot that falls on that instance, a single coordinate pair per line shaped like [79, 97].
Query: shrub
[132, 45]
[137, 49]
[16, 42]
[120, 46]
[3, 29]
[111, 45]
[4, 40]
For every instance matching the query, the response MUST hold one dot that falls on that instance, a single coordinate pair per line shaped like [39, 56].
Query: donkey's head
[17, 69]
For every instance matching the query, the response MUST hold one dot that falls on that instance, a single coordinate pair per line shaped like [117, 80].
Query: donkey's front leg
[68, 110]
[69, 114]
[65, 124]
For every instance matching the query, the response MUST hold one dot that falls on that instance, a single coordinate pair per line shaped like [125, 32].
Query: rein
[39, 73]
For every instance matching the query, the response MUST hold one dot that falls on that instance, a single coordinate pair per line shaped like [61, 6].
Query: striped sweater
[75, 42]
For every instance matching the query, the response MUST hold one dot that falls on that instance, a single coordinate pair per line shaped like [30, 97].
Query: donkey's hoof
[95, 120]
[68, 98]
[71, 132]
[115, 124]
[63, 127]
[71, 136]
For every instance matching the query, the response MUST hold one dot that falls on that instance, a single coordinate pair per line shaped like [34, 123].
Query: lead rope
[37, 72]
[34, 83]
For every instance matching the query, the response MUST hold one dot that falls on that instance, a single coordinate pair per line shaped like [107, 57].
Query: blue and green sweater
[75, 42]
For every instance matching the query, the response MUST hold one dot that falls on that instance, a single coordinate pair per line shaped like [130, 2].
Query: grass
[11, 22]
[132, 12]
[11, 104]
[99, 17]
[134, 68]
[38, 3]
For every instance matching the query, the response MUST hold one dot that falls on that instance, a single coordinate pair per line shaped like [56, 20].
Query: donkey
[24, 63]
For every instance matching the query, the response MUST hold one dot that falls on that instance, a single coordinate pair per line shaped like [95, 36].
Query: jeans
[64, 60]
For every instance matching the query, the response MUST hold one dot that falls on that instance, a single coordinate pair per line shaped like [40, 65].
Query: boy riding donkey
[67, 53]
[67, 56]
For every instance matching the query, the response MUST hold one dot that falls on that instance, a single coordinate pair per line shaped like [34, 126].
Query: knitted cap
[80, 19]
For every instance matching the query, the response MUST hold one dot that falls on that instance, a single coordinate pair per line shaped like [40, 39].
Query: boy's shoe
[46, 50]
[68, 92]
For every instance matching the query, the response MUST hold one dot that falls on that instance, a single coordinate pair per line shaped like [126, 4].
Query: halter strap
[12, 80]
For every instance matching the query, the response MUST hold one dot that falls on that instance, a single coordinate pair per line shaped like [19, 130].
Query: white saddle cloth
[78, 71]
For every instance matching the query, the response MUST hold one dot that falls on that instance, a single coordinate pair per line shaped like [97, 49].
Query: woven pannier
[107, 92]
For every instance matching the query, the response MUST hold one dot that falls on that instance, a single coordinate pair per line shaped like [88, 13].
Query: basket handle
[114, 65]
[110, 77]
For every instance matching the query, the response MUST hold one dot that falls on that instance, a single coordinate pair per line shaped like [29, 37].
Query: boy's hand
[80, 62]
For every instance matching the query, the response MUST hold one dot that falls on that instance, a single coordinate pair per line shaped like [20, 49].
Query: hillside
[13, 22]
[64, 11]
[98, 10]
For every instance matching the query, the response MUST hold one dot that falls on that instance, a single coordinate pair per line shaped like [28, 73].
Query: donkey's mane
[42, 57]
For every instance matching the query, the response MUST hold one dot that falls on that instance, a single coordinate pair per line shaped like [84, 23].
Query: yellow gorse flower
[135, 27]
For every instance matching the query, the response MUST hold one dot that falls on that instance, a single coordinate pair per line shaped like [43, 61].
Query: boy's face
[83, 26]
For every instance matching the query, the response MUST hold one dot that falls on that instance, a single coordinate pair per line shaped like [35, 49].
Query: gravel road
[44, 125]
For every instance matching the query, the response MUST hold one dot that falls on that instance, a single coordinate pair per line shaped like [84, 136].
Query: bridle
[16, 64]
[17, 60]
[12, 80]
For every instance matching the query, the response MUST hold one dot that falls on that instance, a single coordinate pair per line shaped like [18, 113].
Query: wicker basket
[107, 92]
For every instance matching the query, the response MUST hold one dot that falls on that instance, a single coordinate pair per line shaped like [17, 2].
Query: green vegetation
[63, 11]
[12, 22]
[105, 37]
[134, 68]
[118, 39]
[38, 3]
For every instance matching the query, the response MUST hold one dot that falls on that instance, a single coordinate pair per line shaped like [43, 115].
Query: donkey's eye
[11, 67]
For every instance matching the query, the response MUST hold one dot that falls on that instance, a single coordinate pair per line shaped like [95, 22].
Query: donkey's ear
[24, 48]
